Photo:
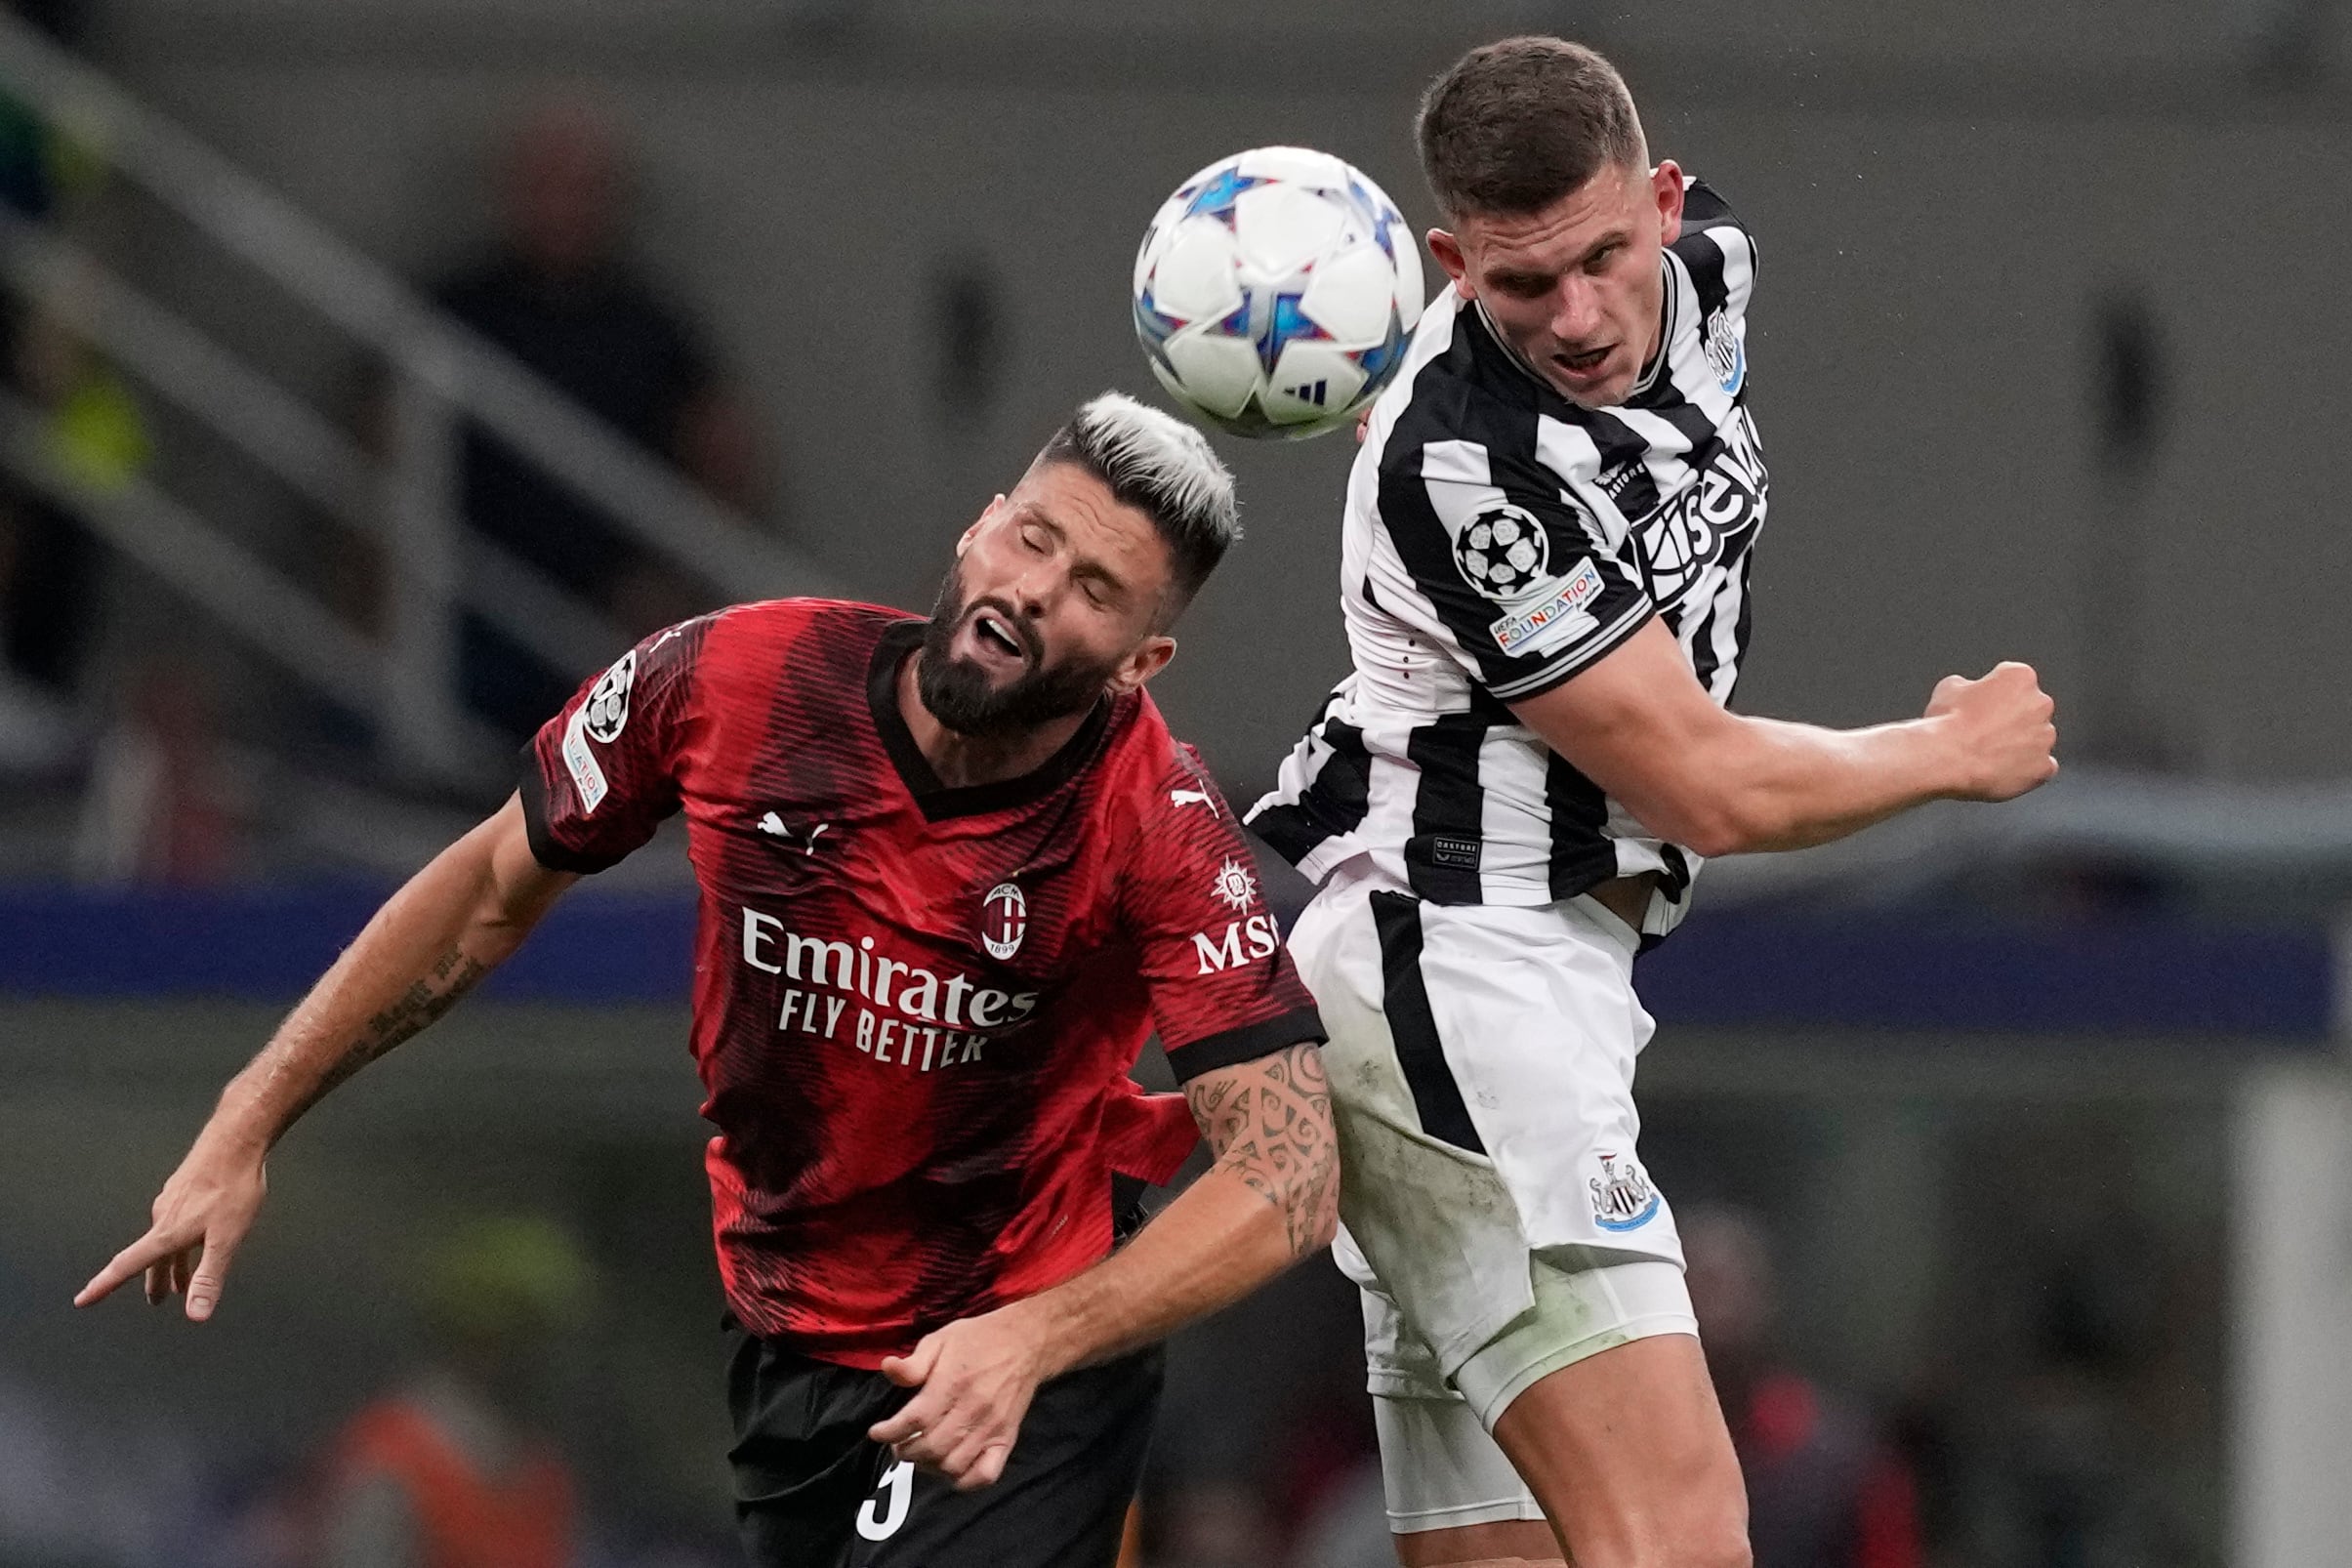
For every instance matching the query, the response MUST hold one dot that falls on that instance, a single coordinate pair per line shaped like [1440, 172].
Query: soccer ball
[1274, 292]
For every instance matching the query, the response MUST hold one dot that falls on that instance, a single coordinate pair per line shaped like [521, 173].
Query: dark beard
[958, 692]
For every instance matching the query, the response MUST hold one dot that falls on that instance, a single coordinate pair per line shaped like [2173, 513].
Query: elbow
[1323, 1223]
[1710, 828]
[1711, 837]
[1318, 1199]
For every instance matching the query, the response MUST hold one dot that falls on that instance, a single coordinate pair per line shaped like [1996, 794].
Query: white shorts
[1481, 1064]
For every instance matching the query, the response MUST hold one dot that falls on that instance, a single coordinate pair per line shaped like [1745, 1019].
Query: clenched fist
[2004, 731]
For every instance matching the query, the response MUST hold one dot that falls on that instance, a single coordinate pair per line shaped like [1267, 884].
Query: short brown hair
[1514, 126]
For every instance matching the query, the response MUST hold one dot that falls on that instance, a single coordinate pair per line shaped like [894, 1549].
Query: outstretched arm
[1638, 724]
[429, 945]
[1271, 1198]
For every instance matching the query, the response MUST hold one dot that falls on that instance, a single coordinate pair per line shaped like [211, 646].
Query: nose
[1036, 588]
[1576, 317]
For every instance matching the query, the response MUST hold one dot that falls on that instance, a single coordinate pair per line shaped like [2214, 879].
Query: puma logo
[775, 827]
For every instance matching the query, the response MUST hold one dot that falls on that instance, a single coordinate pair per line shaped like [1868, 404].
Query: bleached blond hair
[1163, 468]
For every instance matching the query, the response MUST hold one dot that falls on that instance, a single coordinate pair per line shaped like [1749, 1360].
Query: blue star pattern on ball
[1152, 321]
[1376, 360]
[1216, 200]
[1285, 324]
[1378, 216]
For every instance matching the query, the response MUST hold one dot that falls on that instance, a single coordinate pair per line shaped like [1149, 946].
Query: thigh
[1063, 1501]
[802, 1462]
[1627, 1452]
[1452, 1493]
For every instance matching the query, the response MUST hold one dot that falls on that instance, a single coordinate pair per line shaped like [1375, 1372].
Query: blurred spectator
[1210, 1524]
[2086, 1452]
[168, 799]
[561, 294]
[456, 1470]
[49, 564]
[1823, 1491]
[78, 1490]
[1348, 1528]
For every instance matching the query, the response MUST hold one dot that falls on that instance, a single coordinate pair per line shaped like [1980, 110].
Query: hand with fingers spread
[973, 1380]
[200, 1217]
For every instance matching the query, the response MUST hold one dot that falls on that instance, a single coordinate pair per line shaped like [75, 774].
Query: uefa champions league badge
[607, 708]
[1504, 551]
[1004, 920]
[1622, 1199]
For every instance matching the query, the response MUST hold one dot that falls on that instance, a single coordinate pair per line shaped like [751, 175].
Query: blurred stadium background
[375, 368]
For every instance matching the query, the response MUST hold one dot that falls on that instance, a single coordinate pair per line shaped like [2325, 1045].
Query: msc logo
[1244, 940]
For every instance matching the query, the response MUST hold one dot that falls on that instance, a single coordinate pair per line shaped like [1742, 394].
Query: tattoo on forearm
[1270, 1122]
[453, 974]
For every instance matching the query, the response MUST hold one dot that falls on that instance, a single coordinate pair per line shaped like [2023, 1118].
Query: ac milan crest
[1004, 920]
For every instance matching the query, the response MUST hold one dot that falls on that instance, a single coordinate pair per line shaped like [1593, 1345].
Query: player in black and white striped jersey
[1509, 539]
[1546, 588]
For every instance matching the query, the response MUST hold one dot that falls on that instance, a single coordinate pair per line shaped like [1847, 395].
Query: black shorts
[812, 1491]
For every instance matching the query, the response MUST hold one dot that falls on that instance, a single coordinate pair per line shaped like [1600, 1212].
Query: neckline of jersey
[938, 801]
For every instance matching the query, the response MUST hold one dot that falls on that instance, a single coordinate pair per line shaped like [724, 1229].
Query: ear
[995, 505]
[1665, 189]
[1148, 659]
[1448, 251]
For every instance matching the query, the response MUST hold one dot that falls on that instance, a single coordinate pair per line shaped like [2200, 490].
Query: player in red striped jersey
[952, 873]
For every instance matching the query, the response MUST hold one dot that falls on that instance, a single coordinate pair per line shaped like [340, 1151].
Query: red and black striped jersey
[915, 1005]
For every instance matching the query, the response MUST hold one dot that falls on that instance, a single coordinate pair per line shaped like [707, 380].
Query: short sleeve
[1222, 988]
[1147, 1136]
[601, 776]
[1526, 588]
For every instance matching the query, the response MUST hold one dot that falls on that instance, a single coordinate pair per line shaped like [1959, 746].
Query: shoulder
[1704, 207]
[769, 638]
[1148, 776]
[767, 619]
[1138, 752]
[1716, 248]
[1466, 392]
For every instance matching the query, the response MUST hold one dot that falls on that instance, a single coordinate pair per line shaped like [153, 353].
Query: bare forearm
[1803, 785]
[1639, 723]
[429, 945]
[1270, 1200]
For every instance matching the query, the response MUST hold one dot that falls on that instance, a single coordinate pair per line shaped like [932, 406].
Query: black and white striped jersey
[1498, 540]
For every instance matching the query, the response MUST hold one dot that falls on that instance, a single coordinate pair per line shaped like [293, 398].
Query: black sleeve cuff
[1250, 1041]
[543, 848]
[1559, 674]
